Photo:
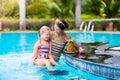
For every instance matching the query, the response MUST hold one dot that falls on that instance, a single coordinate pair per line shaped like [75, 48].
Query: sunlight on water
[19, 67]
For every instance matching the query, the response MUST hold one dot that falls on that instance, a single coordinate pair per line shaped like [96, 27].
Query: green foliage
[8, 8]
[89, 16]
[37, 9]
[61, 8]
[64, 9]
[110, 7]
[67, 7]
[13, 27]
[33, 25]
[91, 7]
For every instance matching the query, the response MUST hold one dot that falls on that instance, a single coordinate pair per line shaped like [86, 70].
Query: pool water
[112, 38]
[15, 58]
[93, 39]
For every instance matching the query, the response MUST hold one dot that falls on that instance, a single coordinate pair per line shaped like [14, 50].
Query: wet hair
[43, 29]
[62, 24]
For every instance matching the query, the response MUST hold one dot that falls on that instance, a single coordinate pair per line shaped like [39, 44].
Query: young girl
[41, 53]
[59, 39]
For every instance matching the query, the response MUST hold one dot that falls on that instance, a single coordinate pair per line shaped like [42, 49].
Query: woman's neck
[61, 33]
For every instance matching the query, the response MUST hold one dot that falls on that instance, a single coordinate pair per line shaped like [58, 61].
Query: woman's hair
[62, 24]
[43, 29]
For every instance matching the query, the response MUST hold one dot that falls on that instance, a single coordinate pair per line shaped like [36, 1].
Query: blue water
[16, 50]
[112, 38]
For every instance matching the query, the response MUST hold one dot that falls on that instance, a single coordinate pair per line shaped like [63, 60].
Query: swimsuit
[57, 48]
[43, 51]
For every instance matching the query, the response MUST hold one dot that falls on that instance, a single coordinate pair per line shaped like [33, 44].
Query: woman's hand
[81, 50]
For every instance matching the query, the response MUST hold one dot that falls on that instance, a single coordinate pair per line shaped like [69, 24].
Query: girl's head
[60, 25]
[44, 33]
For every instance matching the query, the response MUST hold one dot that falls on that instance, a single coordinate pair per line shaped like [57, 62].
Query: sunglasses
[59, 22]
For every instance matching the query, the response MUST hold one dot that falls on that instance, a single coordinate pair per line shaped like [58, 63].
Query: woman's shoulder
[68, 36]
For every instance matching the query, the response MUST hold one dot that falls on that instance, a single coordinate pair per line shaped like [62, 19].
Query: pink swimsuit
[43, 51]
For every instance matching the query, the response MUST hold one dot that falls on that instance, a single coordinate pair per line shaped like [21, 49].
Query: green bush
[37, 25]
[89, 17]
[30, 25]
[38, 9]
[10, 25]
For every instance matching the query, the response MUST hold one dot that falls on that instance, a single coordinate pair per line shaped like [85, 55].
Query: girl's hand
[32, 60]
[53, 62]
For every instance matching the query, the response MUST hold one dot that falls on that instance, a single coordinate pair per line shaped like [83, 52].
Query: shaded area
[93, 56]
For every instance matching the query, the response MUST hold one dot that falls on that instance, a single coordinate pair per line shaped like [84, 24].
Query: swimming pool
[16, 50]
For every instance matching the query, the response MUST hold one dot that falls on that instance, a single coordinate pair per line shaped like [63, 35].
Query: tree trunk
[22, 9]
[78, 13]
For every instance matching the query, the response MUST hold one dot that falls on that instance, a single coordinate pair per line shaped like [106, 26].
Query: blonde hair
[43, 29]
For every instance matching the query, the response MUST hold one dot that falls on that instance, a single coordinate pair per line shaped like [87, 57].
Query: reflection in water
[0, 36]
[113, 39]
[86, 37]
[22, 42]
[107, 57]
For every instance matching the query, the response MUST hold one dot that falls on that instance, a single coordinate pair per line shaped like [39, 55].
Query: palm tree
[22, 14]
[110, 7]
[78, 13]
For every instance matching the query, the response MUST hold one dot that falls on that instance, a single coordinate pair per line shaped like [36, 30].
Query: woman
[59, 39]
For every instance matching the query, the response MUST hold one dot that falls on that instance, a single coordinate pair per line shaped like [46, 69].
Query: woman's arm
[81, 50]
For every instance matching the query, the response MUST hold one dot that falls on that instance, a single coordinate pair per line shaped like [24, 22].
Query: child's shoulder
[37, 42]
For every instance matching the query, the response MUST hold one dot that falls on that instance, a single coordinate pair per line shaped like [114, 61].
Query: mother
[59, 39]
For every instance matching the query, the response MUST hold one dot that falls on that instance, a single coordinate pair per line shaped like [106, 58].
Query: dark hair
[62, 24]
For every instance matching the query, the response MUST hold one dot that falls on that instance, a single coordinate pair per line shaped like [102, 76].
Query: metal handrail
[87, 27]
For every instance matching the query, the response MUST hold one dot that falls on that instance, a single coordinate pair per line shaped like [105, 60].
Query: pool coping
[100, 69]
[111, 32]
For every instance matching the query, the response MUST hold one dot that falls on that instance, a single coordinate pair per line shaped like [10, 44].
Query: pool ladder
[89, 27]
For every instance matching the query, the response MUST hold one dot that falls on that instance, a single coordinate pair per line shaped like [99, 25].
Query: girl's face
[57, 29]
[46, 36]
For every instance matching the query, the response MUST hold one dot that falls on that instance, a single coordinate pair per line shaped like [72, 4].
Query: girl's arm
[35, 51]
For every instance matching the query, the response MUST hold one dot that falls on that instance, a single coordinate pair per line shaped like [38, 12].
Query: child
[41, 53]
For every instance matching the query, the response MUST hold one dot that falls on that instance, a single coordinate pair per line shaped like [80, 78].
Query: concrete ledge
[94, 68]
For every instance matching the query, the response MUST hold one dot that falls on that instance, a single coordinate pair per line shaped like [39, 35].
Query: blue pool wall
[94, 68]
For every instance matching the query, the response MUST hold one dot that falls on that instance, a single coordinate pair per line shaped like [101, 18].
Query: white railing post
[89, 24]
[92, 27]
[85, 28]
[89, 27]
[81, 26]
